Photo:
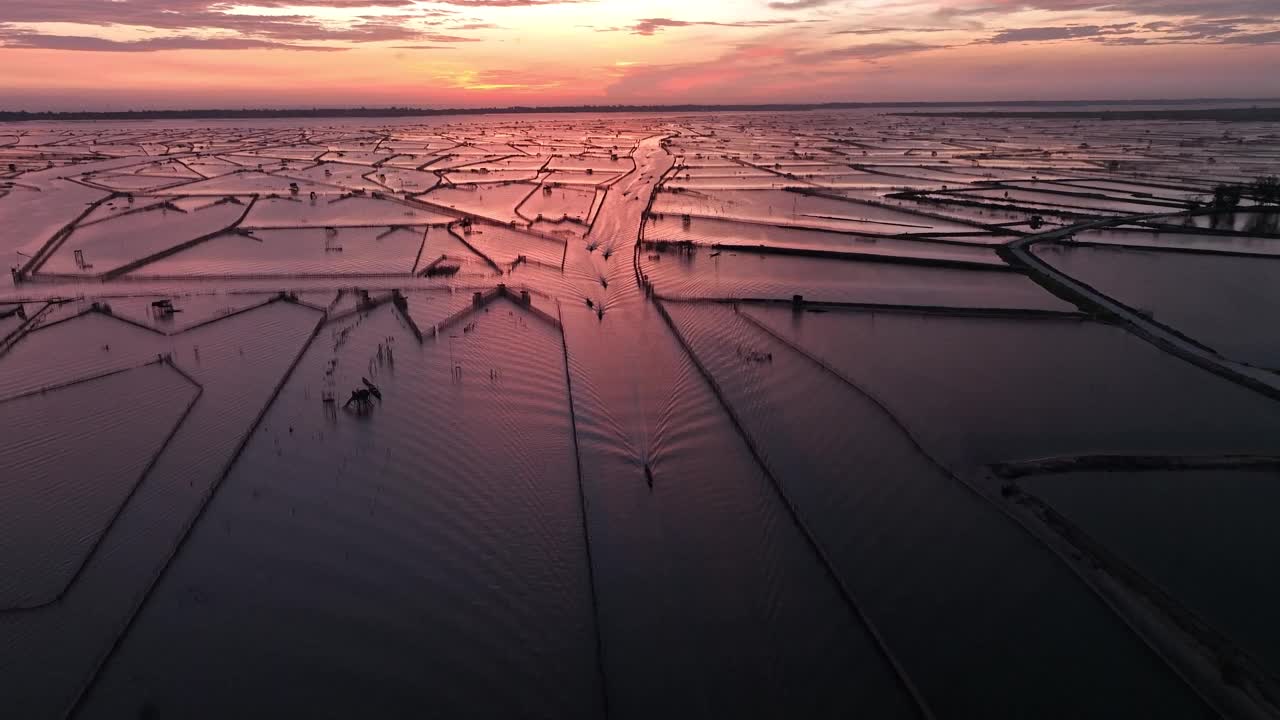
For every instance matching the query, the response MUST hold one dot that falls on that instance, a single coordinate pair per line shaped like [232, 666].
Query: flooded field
[813, 414]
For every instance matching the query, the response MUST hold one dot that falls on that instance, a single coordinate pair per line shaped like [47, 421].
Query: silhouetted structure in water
[164, 308]
[1227, 197]
[1266, 190]
[363, 397]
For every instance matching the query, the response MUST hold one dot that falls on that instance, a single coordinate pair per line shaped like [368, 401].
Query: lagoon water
[816, 414]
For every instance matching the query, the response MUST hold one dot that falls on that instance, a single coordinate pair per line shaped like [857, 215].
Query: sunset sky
[123, 54]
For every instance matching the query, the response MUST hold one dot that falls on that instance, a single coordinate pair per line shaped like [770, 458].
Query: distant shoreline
[407, 112]
[1267, 114]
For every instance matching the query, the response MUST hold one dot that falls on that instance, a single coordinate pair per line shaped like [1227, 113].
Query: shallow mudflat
[58, 513]
[1185, 547]
[790, 415]
[982, 390]
[1215, 300]
[843, 461]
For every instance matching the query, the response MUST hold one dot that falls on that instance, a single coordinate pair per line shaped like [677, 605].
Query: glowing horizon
[143, 54]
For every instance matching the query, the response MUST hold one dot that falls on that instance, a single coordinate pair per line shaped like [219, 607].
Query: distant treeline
[396, 112]
[1255, 114]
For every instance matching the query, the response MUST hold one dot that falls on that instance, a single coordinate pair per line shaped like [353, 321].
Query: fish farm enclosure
[789, 415]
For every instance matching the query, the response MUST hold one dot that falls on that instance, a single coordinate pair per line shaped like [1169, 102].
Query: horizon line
[412, 111]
